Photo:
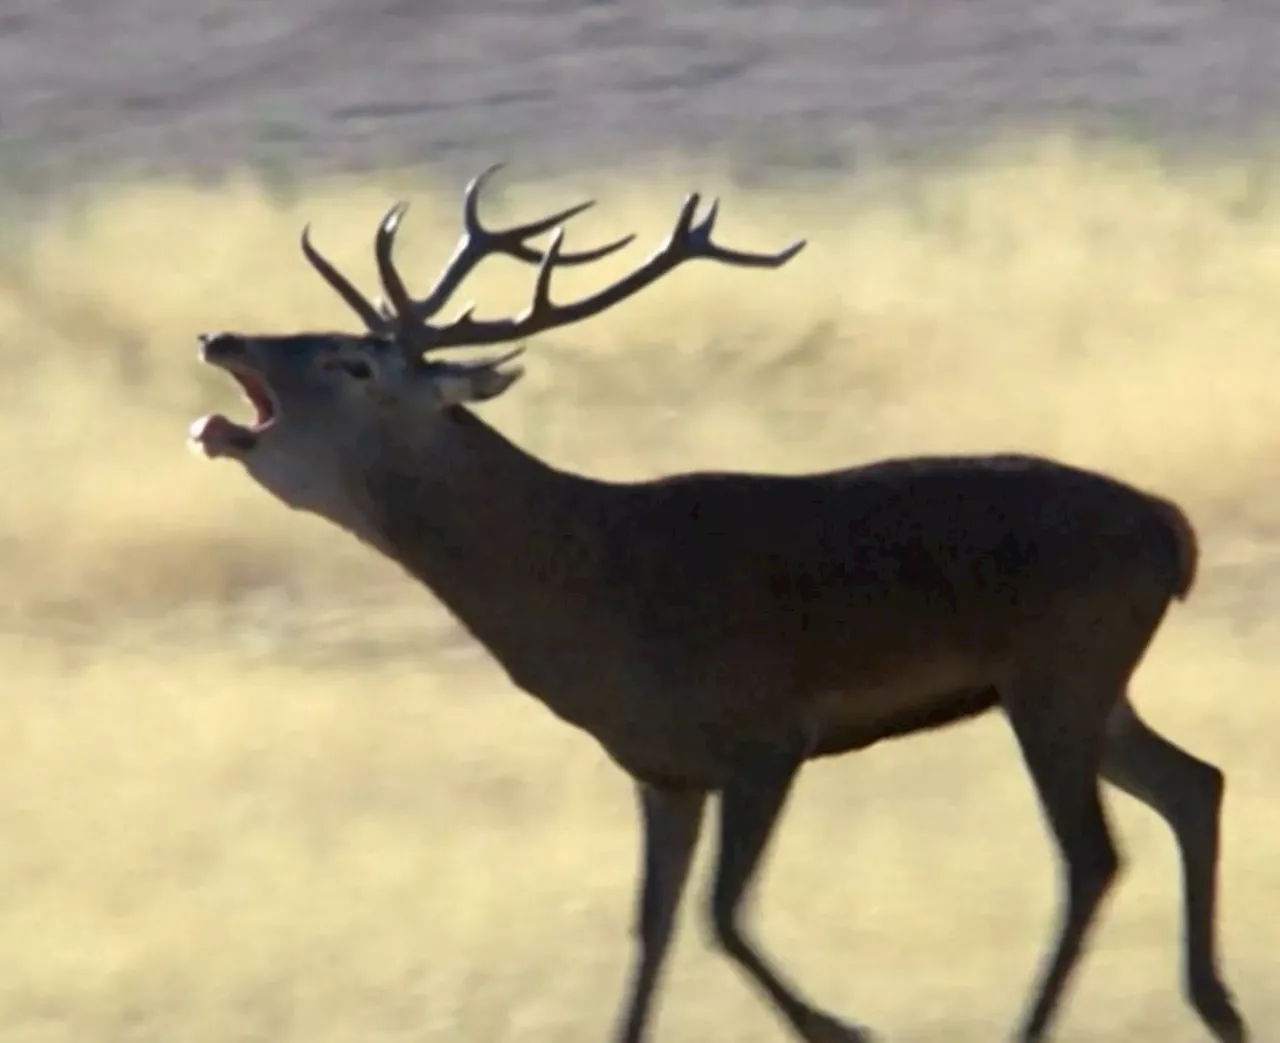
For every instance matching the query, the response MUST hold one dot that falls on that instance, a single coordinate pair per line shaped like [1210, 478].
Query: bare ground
[355, 84]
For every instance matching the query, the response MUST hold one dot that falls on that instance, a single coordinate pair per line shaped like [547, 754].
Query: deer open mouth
[216, 435]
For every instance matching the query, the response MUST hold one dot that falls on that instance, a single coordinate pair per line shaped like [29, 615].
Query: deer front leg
[671, 822]
[750, 806]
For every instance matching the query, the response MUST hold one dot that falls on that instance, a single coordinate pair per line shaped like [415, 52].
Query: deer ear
[458, 384]
[490, 382]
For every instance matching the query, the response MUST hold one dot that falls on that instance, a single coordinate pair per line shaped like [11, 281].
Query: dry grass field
[253, 787]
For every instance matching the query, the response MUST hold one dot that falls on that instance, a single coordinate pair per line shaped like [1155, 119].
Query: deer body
[671, 619]
[714, 631]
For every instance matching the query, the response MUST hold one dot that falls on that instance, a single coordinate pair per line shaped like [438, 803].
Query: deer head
[331, 405]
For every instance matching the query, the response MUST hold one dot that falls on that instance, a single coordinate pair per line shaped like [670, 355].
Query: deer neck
[503, 539]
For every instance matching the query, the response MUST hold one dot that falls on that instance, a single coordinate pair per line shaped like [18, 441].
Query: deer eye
[357, 368]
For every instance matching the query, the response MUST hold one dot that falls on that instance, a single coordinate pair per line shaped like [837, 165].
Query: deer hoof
[822, 1028]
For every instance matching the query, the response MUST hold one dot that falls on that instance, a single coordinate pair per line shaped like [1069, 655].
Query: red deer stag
[714, 631]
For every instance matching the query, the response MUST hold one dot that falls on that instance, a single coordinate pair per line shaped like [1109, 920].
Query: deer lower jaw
[215, 435]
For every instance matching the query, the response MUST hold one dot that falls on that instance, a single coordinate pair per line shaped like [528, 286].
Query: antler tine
[478, 242]
[541, 302]
[513, 238]
[398, 299]
[356, 301]
[688, 241]
[700, 236]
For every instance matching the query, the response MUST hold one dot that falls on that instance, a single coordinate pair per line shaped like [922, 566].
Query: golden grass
[242, 798]
[1083, 304]
[208, 847]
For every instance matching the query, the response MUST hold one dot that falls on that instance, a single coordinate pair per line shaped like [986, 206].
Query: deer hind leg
[1187, 793]
[1060, 726]
[750, 805]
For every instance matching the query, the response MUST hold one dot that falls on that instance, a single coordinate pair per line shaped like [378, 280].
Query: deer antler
[407, 318]
[404, 315]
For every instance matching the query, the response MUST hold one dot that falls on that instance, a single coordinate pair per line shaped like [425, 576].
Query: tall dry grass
[207, 847]
[1085, 304]
[244, 796]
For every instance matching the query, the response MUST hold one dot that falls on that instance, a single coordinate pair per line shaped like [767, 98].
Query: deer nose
[220, 345]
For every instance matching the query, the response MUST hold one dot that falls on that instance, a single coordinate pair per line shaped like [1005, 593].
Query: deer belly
[854, 717]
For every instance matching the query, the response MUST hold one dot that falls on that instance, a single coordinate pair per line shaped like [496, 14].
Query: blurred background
[255, 785]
